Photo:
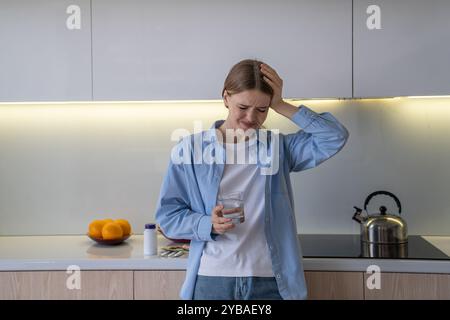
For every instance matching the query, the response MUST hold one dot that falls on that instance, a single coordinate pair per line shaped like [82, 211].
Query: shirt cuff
[205, 229]
[304, 116]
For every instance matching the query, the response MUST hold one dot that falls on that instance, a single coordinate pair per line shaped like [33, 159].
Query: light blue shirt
[189, 194]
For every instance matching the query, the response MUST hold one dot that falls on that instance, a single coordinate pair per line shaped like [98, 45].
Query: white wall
[62, 166]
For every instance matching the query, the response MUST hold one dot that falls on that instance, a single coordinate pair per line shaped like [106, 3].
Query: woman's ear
[225, 98]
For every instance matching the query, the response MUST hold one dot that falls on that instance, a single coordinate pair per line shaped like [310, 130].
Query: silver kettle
[382, 228]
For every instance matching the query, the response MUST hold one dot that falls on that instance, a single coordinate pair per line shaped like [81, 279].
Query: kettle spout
[357, 216]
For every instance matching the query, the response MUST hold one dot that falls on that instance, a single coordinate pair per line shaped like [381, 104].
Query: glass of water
[232, 201]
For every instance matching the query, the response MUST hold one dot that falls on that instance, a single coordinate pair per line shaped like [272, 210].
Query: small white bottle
[150, 240]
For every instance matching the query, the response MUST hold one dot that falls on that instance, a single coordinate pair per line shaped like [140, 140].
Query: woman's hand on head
[274, 80]
[220, 225]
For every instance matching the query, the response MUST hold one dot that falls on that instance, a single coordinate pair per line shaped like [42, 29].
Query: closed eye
[262, 110]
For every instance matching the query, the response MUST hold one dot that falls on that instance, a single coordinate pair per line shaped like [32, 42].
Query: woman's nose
[251, 121]
[251, 117]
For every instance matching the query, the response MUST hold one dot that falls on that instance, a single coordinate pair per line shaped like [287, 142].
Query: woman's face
[247, 109]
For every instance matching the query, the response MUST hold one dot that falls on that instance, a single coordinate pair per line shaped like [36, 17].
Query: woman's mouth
[249, 125]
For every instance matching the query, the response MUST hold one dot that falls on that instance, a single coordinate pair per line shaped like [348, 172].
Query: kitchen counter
[59, 252]
[33, 253]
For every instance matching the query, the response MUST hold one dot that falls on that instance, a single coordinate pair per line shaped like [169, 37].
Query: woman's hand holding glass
[220, 225]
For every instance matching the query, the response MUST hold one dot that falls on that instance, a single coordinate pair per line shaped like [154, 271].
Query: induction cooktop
[350, 246]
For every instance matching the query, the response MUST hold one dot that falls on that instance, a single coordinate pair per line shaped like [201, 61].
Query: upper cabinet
[174, 49]
[183, 50]
[45, 50]
[401, 48]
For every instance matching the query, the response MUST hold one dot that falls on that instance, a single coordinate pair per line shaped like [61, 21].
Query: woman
[259, 258]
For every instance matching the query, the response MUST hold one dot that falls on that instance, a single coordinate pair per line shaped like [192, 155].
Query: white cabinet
[40, 58]
[177, 50]
[174, 49]
[409, 54]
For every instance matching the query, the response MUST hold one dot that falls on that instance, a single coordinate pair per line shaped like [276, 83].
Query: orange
[112, 230]
[108, 220]
[126, 227]
[95, 228]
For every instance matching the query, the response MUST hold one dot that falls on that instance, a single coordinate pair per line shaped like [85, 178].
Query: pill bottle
[150, 240]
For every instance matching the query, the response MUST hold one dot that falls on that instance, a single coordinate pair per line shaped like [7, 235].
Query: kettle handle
[373, 194]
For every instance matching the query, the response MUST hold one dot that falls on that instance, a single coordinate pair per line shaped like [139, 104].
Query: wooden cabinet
[53, 285]
[166, 285]
[408, 55]
[124, 285]
[149, 50]
[334, 285]
[158, 285]
[395, 286]
[41, 59]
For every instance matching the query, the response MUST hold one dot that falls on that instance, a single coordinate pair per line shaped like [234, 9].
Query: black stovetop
[350, 246]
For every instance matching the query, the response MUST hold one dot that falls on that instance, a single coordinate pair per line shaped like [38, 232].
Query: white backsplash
[63, 165]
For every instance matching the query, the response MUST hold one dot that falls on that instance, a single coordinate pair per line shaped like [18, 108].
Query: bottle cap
[150, 226]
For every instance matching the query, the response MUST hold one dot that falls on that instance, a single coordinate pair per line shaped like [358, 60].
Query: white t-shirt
[243, 250]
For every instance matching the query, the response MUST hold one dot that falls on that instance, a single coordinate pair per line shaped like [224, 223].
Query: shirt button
[270, 247]
[278, 276]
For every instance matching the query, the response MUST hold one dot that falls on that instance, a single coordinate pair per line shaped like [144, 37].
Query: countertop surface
[59, 252]
[33, 253]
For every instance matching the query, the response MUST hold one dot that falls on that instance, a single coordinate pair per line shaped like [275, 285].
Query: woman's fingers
[220, 224]
[222, 228]
[217, 214]
[234, 210]
[217, 210]
[274, 85]
[271, 73]
[270, 70]
[266, 66]
[272, 78]
[220, 220]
